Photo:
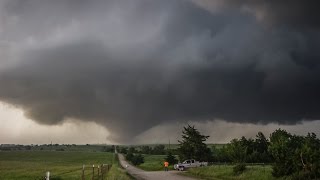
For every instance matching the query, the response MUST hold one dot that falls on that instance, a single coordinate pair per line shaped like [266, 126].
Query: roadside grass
[255, 172]
[117, 172]
[31, 165]
[154, 163]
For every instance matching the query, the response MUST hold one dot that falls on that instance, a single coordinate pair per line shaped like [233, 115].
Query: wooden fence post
[82, 172]
[102, 171]
[47, 175]
[98, 171]
[93, 172]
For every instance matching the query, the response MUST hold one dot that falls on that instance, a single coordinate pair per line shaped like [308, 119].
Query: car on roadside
[189, 163]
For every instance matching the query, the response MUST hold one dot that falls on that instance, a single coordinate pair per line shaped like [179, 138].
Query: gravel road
[151, 175]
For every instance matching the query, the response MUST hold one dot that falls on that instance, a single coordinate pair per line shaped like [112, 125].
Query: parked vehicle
[189, 163]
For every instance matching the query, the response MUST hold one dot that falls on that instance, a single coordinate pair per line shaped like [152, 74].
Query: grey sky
[131, 65]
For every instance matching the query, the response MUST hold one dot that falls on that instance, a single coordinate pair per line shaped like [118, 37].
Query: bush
[129, 156]
[239, 169]
[135, 159]
[171, 159]
[123, 150]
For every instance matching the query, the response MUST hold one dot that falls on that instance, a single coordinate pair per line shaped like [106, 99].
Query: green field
[153, 163]
[31, 165]
[256, 172]
[226, 172]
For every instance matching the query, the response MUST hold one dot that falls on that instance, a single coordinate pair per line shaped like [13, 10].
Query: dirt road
[151, 175]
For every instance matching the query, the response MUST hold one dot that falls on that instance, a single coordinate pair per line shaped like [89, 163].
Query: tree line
[290, 155]
[294, 156]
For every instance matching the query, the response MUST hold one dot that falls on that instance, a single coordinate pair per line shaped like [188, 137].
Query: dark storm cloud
[296, 13]
[130, 65]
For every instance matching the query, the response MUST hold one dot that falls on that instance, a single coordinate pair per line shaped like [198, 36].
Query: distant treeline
[57, 147]
[294, 156]
[291, 155]
[156, 150]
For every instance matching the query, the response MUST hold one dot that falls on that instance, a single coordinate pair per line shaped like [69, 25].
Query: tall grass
[116, 172]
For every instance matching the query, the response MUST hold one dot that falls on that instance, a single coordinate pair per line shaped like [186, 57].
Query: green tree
[132, 150]
[192, 145]
[171, 159]
[129, 156]
[159, 149]
[137, 159]
[237, 150]
[285, 148]
[146, 149]
[123, 150]
[308, 158]
[261, 142]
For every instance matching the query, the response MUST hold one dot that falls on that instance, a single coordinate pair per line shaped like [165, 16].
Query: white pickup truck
[190, 163]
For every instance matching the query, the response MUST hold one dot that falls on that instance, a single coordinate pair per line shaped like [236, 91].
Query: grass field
[256, 172]
[154, 163]
[32, 165]
[226, 172]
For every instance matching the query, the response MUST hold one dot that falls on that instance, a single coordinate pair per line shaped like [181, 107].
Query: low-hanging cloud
[132, 64]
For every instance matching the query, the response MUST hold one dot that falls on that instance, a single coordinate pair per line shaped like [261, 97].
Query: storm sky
[133, 66]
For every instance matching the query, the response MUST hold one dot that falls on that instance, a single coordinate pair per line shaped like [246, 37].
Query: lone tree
[192, 145]
[171, 159]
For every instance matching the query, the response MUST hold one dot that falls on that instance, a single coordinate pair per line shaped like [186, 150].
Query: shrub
[171, 159]
[137, 159]
[129, 156]
[239, 169]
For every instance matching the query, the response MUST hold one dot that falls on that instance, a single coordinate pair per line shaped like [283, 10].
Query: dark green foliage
[108, 148]
[135, 159]
[146, 150]
[159, 150]
[220, 155]
[129, 156]
[239, 169]
[171, 159]
[283, 149]
[295, 156]
[310, 156]
[237, 150]
[245, 150]
[192, 145]
[123, 150]
[132, 150]
[28, 147]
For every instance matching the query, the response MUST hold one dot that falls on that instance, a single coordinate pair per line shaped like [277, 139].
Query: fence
[96, 172]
